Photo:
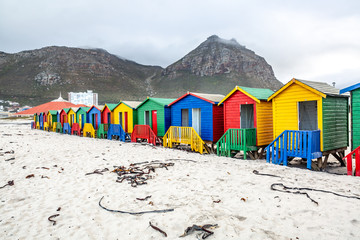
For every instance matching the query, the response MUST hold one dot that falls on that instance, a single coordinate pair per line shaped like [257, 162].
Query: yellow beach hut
[310, 120]
[125, 115]
[72, 116]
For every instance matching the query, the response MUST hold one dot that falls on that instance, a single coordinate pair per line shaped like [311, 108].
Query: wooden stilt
[325, 162]
[319, 162]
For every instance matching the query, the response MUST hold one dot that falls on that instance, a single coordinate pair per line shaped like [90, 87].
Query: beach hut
[355, 128]
[125, 114]
[355, 113]
[201, 112]
[247, 121]
[155, 113]
[107, 113]
[72, 116]
[52, 118]
[64, 115]
[93, 116]
[81, 116]
[310, 120]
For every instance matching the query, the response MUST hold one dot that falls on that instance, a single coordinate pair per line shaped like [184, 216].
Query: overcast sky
[316, 40]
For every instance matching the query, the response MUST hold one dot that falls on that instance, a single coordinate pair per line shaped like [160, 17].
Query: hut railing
[117, 130]
[290, 143]
[46, 126]
[102, 130]
[88, 130]
[144, 132]
[237, 139]
[349, 162]
[59, 127]
[54, 126]
[66, 128]
[75, 129]
[184, 135]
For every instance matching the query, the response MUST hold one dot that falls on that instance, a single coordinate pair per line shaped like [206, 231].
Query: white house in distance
[88, 98]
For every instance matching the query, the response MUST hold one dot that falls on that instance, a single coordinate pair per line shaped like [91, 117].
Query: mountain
[216, 66]
[37, 76]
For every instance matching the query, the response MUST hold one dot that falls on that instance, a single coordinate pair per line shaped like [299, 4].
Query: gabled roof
[351, 88]
[319, 88]
[85, 109]
[111, 106]
[52, 112]
[131, 104]
[75, 109]
[66, 110]
[256, 94]
[93, 106]
[211, 98]
[161, 101]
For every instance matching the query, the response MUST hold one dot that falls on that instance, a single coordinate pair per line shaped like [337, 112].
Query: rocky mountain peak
[217, 56]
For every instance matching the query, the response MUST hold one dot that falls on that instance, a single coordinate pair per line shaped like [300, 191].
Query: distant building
[88, 98]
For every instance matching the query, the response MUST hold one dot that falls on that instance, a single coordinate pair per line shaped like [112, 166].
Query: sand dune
[248, 208]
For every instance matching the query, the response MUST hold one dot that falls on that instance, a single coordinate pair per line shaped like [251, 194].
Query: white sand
[190, 188]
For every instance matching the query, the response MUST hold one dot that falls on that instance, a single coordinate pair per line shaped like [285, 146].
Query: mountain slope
[216, 66]
[39, 75]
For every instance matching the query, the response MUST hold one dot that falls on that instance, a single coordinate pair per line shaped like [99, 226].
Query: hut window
[247, 116]
[184, 117]
[308, 115]
[147, 118]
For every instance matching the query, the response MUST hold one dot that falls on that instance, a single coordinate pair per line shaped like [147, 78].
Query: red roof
[49, 106]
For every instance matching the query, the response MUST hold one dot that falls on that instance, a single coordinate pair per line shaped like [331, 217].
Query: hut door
[154, 121]
[184, 117]
[108, 118]
[196, 120]
[120, 119]
[126, 121]
[247, 116]
[147, 118]
[81, 124]
[308, 115]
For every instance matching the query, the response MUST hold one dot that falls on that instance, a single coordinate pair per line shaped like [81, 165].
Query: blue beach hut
[93, 116]
[200, 111]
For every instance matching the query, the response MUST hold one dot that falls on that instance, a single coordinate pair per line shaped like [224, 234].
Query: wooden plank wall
[190, 102]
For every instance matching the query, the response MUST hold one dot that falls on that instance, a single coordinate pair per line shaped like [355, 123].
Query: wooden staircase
[88, 130]
[75, 130]
[237, 139]
[349, 162]
[116, 130]
[102, 130]
[303, 144]
[144, 132]
[59, 127]
[66, 128]
[185, 135]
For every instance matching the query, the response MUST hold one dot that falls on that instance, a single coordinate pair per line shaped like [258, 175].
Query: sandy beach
[201, 189]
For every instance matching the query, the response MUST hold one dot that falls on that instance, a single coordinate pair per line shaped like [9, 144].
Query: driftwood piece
[265, 174]
[134, 213]
[143, 199]
[204, 229]
[53, 216]
[9, 183]
[158, 229]
[297, 190]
